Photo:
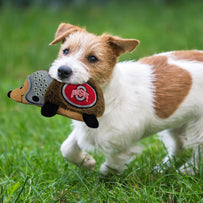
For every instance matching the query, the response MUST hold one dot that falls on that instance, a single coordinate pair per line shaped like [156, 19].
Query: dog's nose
[64, 72]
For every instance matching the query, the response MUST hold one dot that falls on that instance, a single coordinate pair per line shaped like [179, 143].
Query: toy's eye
[92, 59]
[65, 51]
[35, 98]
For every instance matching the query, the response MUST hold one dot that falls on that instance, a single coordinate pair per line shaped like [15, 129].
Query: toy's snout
[9, 94]
[18, 94]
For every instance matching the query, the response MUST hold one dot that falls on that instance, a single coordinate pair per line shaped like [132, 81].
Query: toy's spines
[38, 84]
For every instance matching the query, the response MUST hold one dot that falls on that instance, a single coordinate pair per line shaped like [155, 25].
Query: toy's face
[33, 90]
[18, 94]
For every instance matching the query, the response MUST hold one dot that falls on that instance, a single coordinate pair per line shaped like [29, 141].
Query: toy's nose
[9, 94]
[64, 72]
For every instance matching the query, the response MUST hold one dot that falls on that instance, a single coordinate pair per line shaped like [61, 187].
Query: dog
[161, 94]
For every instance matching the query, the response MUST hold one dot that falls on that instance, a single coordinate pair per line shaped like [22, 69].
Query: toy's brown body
[53, 95]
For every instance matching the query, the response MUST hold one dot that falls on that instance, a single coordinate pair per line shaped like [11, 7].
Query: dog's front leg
[116, 163]
[73, 153]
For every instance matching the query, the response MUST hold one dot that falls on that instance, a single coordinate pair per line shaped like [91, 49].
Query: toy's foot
[90, 120]
[49, 109]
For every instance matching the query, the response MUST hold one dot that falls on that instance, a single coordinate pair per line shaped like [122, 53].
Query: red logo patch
[82, 96]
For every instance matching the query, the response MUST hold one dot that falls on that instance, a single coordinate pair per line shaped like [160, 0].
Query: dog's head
[84, 55]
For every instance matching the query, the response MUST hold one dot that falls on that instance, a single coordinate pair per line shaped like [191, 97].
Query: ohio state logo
[80, 93]
[82, 96]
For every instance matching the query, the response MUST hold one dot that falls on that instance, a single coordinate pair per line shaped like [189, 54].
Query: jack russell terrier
[161, 93]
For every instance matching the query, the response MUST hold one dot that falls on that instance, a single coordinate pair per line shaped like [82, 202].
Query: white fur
[80, 74]
[129, 115]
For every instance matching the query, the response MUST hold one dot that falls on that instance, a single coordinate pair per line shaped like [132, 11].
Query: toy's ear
[18, 94]
[63, 31]
[120, 45]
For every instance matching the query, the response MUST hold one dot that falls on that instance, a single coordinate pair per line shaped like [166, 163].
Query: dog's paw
[161, 168]
[188, 168]
[88, 162]
[164, 165]
[106, 170]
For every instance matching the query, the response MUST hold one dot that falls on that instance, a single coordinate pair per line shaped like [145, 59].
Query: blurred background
[28, 26]
[26, 29]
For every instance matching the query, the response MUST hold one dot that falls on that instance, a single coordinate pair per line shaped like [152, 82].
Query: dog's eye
[92, 59]
[65, 51]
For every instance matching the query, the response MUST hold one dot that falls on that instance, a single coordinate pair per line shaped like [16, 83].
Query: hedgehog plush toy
[83, 102]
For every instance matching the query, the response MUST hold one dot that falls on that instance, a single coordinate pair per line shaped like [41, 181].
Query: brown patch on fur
[120, 45]
[102, 70]
[189, 55]
[63, 31]
[172, 85]
[108, 49]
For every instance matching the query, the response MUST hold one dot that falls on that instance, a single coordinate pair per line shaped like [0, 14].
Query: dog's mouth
[69, 71]
[69, 78]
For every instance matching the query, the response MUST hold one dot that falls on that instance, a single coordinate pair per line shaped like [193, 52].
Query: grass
[31, 166]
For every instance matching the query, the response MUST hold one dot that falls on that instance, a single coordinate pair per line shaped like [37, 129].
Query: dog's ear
[63, 31]
[120, 45]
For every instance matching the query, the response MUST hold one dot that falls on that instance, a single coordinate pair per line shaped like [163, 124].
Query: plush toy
[83, 102]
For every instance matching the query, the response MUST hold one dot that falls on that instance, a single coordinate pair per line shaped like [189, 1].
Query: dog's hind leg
[195, 140]
[173, 141]
[195, 163]
[73, 153]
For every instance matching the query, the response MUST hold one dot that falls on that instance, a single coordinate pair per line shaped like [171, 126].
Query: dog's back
[178, 87]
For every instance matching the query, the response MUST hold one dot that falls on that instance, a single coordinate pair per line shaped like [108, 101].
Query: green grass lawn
[32, 168]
